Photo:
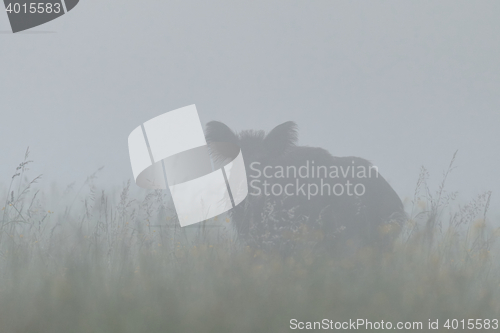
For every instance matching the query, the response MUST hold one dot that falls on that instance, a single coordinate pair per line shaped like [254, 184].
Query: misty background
[402, 84]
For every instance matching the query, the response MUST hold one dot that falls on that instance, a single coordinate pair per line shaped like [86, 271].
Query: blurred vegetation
[111, 262]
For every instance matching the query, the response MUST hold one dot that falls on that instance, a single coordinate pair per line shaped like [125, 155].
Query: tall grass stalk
[117, 263]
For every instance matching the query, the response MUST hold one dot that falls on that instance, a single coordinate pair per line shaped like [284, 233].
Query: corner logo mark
[28, 14]
[172, 148]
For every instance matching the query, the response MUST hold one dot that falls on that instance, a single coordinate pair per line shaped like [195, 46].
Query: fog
[402, 84]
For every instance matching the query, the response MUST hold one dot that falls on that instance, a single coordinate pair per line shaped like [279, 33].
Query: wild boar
[298, 192]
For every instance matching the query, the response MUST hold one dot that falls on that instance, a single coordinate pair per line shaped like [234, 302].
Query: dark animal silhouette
[275, 215]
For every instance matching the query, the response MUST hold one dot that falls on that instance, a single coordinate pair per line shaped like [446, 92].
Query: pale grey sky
[401, 83]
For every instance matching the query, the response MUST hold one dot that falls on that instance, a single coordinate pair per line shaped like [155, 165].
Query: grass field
[105, 262]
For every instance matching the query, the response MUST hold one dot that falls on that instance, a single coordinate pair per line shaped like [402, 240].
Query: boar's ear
[280, 139]
[219, 132]
[222, 141]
